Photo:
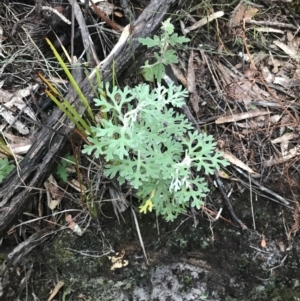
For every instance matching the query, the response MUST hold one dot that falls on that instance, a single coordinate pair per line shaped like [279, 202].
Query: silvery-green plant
[154, 148]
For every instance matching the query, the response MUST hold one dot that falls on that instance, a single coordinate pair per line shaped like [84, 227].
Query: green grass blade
[71, 79]
[71, 113]
[5, 149]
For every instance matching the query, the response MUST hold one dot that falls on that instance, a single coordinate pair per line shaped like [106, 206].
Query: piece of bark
[19, 188]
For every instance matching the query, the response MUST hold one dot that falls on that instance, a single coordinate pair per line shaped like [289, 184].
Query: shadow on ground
[213, 261]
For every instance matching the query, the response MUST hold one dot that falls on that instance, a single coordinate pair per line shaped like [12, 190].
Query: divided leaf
[150, 42]
[154, 148]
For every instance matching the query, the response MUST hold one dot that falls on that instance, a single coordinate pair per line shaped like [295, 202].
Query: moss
[71, 255]
[294, 6]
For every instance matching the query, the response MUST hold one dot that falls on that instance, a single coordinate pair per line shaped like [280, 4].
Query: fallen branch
[227, 202]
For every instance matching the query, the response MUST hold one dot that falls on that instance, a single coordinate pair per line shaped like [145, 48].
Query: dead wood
[22, 184]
